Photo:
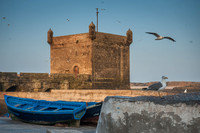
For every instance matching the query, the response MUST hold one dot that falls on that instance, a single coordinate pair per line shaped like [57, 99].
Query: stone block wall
[68, 52]
[42, 82]
[81, 95]
[102, 55]
[110, 61]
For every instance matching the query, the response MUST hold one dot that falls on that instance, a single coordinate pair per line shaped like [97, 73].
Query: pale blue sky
[23, 33]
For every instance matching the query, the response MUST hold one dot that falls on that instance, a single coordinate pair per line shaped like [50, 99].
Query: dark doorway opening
[12, 89]
[76, 70]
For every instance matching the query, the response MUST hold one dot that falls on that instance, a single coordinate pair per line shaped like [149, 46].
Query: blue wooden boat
[92, 113]
[44, 112]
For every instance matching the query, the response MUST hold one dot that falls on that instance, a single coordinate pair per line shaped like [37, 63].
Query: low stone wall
[29, 82]
[149, 114]
[81, 95]
[170, 83]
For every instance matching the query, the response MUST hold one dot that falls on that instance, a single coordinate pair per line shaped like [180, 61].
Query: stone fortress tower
[103, 56]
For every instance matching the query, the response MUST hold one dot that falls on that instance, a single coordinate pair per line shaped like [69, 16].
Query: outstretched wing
[155, 86]
[155, 34]
[170, 39]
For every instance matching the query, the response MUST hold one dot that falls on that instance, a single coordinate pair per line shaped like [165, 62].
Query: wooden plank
[17, 105]
[30, 107]
[43, 108]
[57, 109]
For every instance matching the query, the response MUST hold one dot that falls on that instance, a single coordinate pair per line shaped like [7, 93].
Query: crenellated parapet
[50, 36]
[92, 33]
[129, 37]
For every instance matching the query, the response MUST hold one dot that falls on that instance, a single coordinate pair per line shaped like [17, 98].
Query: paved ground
[9, 126]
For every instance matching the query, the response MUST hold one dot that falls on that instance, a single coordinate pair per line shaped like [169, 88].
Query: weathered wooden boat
[44, 112]
[92, 113]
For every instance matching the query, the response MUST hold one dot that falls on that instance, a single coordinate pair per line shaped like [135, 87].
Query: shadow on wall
[1, 87]
[12, 89]
[48, 90]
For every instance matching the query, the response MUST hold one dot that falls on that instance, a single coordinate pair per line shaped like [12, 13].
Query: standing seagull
[160, 37]
[185, 91]
[158, 86]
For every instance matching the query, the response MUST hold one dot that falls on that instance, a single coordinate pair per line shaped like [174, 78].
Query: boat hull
[92, 113]
[36, 118]
[54, 112]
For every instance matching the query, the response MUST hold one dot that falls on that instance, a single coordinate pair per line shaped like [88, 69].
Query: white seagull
[160, 37]
[158, 86]
[185, 91]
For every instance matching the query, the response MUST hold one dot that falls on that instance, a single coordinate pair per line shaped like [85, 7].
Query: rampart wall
[44, 82]
[29, 82]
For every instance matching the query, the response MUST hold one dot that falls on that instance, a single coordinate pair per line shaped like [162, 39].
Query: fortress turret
[92, 33]
[50, 36]
[104, 57]
[129, 37]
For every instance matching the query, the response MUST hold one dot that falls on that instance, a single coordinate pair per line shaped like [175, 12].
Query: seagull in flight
[160, 37]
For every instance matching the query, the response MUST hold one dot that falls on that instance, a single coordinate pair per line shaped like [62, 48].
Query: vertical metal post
[97, 19]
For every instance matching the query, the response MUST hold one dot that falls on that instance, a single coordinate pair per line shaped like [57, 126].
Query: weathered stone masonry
[92, 60]
[42, 82]
[103, 56]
